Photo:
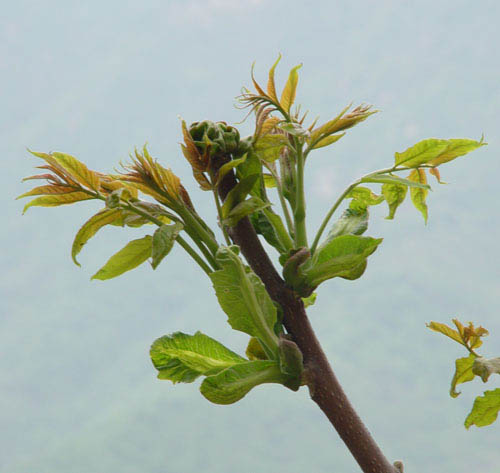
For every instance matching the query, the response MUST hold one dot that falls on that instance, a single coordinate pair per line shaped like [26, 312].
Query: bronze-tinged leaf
[271, 87]
[436, 174]
[48, 190]
[77, 170]
[326, 128]
[328, 141]
[56, 200]
[268, 125]
[288, 94]
[445, 330]
[256, 85]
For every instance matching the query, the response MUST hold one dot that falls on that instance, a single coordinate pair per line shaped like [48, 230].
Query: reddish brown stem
[324, 388]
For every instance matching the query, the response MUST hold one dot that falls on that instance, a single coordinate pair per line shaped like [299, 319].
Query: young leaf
[234, 383]
[294, 129]
[390, 179]
[421, 153]
[310, 300]
[417, 194]
[363, 198]
[129, 257]
[270, 226]
[456, 147]
[238, 193]
[290, 359]
[49, 189]
[228, 167]
[288, 95]
[56, 200]
[485, 367]
[77, 170]
[344, 256]
[254, 350]
[163, 241]
[244, 299]
[445, 330]
[269, 180]
[91, 227]
[268, 147]
[183, 358]
[463, 373]
[394, 195]
[271, 87]
[351, 222]
[485, 409]
[243, 209]
[328, 141]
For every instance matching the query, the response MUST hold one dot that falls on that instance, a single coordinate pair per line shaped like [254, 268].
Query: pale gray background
[78, 393]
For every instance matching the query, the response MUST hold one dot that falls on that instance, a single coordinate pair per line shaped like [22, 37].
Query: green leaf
[456, 147]
[234, 383]
[224, 169]
[362, 197]
[291, 359]
[445, 330]
[268, 147]
[50, 189]
[163, 241]
[238, 193]
[390, 179]
[309, 301]
[485, 367]
[421, 153]
[463, 373]
[288, 94]
[244, 299]
[269, 180]
[294, 129]
[255, 351]
[394, 195]
[485, 409]
[243, 209]
[183, 358]
[344, 256]
[56, 200]
[417, 194]
[327, 141]
[91, 227]
[129, 257]
[351, 222]
[270, 226]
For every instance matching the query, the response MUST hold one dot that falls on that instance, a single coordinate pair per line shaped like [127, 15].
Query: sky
[78, 392]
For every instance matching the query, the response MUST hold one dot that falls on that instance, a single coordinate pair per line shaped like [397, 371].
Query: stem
[284, 206]
[219, 213]
[299, 213]
[324, 387]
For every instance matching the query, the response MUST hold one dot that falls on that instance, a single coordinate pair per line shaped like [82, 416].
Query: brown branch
[324, 388]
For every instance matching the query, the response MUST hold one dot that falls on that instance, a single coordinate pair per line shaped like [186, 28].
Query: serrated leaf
[49, 189]
[456, 147]
[133, 254]
[243, 209]
[255, 351]
[56, 200]
[394, 195]
[180, 357]
[344, 256]
[485, 409]
[288, 94]
[327, 141]
[271, 87]
[244, 299]
[417, 194]
[445, 330]
[485, 367]
[463, 373]
[163, 241]
[268, 147]
[421, 153]
[91, 227]
[234, 383]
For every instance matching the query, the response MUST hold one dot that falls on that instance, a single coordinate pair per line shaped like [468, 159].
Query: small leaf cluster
[486, 407]
[260, 178]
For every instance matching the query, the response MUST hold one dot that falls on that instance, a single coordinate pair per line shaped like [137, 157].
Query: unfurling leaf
[129, 257]
[485, 367]
[268, 147]
[394, 195]
[351, 222]
[163, 241]
[310, 300]
[362, 197]
[288, 95]
[233, 383]
[255, 351]
[463, 373]
[418, 194]
[244, 299]
[57, 200]
[271, 86]
[485, 409]
[344, 256]
[91, 227]
[294, 129]
[328, 141]
[243, 209]
[183, 358]
[291, 362]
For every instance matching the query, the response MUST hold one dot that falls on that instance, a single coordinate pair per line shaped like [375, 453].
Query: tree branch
[324, 388]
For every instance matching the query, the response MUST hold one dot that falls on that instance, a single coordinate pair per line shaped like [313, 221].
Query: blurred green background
[94, 79]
